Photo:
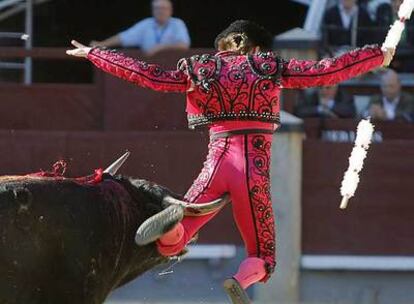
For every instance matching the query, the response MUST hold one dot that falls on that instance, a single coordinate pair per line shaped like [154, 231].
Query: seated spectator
[372, 6]
[388, 13]
[327, 102]
[154, 34]
[392, 104]
[347, 24]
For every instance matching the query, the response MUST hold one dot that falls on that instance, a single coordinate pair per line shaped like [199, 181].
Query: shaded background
[59, 21]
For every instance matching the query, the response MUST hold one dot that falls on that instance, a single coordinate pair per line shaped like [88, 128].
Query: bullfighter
[236, 94]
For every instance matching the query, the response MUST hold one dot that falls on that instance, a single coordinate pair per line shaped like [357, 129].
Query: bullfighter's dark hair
[152, 1]
[242, 35]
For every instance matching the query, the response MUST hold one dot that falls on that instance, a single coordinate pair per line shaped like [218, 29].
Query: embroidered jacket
[227, 86]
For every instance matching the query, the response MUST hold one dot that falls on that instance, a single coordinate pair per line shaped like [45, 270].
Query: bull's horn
[199, 209]
[113, 169]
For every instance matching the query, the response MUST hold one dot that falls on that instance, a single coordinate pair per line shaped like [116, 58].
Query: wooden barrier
[50, 107]
[316, 128]
[379, 219]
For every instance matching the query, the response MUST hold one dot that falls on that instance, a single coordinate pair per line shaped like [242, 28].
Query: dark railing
[52, 65]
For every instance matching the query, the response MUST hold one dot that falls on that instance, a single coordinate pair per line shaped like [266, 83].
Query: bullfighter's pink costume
[237, 97]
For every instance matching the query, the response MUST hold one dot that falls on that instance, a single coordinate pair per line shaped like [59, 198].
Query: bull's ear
[113, 169]
[153, 193]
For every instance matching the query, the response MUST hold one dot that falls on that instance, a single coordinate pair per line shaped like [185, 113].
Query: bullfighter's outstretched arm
[150, 76]
[330, 71]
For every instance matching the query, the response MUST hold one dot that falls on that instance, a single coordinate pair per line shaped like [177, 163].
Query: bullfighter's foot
[159, 224]
[235, 292]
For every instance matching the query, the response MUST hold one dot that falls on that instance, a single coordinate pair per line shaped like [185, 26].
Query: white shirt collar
[330, 104]
[390, 107]
[347, 17]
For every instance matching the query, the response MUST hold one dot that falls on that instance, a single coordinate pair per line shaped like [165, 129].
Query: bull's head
[190, 209]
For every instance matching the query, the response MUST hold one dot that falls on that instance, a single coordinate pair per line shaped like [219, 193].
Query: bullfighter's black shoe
[235, 292]
[157, 225]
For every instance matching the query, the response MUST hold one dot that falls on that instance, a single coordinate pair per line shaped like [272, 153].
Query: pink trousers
[239, 165]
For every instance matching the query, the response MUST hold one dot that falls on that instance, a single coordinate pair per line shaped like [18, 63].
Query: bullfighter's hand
[80, 50]
[388, 56]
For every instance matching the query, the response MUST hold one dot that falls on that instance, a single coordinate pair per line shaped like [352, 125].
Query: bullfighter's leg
[252, 210]
[175, 241]
[210, 185]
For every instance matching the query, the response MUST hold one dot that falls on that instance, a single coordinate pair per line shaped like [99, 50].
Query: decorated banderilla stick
[356, 161]
[395, 33]
[365, 128]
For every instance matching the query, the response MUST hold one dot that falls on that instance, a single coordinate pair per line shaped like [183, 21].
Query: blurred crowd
[350, 24]
[392, 104]
[353, 23]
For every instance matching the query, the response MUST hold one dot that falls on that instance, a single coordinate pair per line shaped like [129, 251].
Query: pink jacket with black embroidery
[228, 87]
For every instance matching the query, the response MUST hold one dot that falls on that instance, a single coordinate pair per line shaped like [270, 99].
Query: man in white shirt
[393, 104]
[152, 35]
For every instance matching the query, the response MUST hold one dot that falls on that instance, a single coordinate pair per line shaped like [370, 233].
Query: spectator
[154, 34]
[392, 104]
[328, 102]
[372, 6]
[347, 24]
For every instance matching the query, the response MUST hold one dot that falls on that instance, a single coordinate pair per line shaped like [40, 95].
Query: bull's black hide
[65, 241]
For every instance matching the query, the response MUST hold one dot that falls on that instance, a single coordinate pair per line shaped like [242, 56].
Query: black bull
[63, 241]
